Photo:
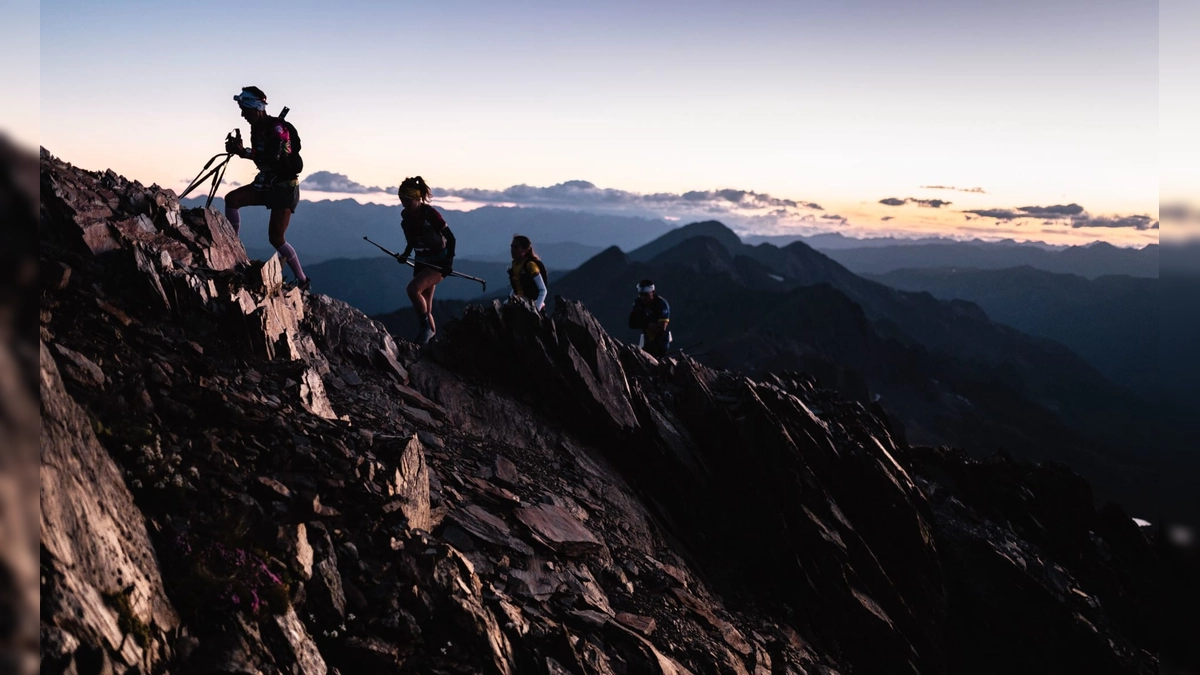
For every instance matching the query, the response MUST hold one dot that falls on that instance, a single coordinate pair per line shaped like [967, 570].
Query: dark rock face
[272, 483]
[1028, 558]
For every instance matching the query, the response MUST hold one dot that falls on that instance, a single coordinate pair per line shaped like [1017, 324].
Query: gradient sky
[19, 75]
[842, 104]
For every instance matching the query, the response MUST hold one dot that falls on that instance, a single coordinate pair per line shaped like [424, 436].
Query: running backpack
[294, 164]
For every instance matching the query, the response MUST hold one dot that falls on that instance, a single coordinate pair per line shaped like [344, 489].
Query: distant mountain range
[1110, 321]
[325, 230]
[1091, 261]
[832, 241]
[944, 370]
[328, 229]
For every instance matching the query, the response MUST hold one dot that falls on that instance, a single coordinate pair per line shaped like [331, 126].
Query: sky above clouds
[962, 118]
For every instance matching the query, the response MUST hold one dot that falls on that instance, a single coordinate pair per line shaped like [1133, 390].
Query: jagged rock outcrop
[524, 495]
[735, 464]
[101, 582]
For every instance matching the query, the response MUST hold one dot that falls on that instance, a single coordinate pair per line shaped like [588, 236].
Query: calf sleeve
[289, 256]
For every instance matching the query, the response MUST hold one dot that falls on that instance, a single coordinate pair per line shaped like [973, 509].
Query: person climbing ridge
[527, 274]
[275, 149]
[652, 315]
[426, 233]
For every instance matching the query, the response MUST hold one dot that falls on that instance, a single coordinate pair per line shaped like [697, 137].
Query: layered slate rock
[410, 485]
[559, 529]
[102, 583]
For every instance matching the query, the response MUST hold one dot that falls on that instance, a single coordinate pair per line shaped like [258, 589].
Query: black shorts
[283, 195]
[438, 259]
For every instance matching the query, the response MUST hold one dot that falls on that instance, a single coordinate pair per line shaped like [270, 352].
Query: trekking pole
[683, 349]
[217, 173]
[406, 261]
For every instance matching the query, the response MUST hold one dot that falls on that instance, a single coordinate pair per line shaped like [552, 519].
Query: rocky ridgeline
[240, 478]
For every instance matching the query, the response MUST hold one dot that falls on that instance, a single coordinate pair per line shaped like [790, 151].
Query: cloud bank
[745, 208]
[581, 193]
[327, 181]
[1070, 215]
[976, 190]
[927, 203]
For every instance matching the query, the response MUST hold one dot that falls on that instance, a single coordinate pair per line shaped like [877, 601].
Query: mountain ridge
[1089, 261]
[1112, 321]
[1022, 382]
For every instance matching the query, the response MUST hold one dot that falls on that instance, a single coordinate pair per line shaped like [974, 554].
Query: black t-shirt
[645, 314]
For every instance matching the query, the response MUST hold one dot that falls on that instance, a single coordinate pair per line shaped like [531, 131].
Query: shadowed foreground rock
[247, 479]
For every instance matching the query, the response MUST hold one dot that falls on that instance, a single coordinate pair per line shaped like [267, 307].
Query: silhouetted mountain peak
[710, 228]
[801, 248]
[609, 257]
[700, 252]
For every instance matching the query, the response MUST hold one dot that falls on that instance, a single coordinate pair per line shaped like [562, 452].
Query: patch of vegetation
[127, 620]
[128, 433]
[215, 576]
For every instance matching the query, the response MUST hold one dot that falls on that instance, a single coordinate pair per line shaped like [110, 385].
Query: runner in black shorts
[426, 233]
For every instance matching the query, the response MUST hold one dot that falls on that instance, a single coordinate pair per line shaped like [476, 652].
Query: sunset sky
[1033, 120]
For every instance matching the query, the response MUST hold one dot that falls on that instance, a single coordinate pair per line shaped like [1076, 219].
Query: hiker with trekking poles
[275, 149]
[426, 234]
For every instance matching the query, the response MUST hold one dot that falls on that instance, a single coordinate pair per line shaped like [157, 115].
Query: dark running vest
[423, 233]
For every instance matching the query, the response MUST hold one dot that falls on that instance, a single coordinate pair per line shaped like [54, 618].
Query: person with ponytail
[426, 233]
[277, 185]
[527, 274]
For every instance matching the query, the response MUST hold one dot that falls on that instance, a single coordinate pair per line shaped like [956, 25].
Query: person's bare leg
[236, 199]
[280, 218]
[429, 303]
[420, 292]
[416, 294]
